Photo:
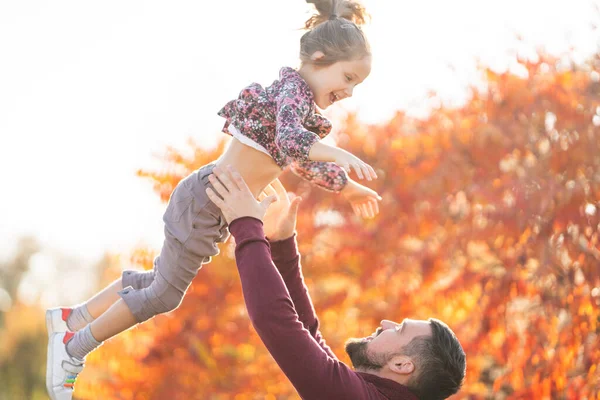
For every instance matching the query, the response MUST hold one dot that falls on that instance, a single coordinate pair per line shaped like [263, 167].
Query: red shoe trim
[68, 336]
[65, 313]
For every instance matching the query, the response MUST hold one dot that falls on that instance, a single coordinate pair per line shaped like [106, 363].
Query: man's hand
[364, 201]
[236, 200]
[280, 220]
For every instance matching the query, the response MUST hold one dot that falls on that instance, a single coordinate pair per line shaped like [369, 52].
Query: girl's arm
[348, 161]
[329, 176]
[364, 200]
[293, 106]
[297, 142]
[326, 175]
[302, 145]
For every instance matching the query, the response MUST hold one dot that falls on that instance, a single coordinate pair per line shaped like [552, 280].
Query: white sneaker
[56, 320]
[61, 369]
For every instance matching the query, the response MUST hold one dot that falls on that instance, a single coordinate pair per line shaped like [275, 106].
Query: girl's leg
[134, 306]
[116, 319]
[98, 304]
[191, 237]
[87, 312]
[67, 350]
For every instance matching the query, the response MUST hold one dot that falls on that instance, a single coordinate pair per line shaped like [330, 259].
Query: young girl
[272, 127]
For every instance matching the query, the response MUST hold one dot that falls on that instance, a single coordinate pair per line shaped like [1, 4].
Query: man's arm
[312, 371]
[286, 257]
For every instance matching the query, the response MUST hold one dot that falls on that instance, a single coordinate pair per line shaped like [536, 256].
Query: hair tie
[332, 17]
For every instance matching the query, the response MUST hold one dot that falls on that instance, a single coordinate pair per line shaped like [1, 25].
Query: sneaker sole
[49, 365]
[49, 325]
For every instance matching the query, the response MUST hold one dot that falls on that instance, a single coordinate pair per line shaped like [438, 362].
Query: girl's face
[334, 82]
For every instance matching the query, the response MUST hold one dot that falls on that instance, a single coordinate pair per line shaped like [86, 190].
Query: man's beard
[357, 351]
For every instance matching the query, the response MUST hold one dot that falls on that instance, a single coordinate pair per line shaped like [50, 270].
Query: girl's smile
[334, 82]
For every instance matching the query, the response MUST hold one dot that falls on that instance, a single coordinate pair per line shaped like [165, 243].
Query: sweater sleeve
[311, 369]
[286, 257]
[326, 175]
[291, 137]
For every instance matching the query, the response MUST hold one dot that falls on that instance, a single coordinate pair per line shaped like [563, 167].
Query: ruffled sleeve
[326, 175]
[293, 107]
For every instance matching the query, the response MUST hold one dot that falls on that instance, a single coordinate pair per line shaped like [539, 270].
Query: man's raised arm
[311, 369]
[286, 257]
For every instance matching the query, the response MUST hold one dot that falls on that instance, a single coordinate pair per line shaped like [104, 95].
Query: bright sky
[90, 91]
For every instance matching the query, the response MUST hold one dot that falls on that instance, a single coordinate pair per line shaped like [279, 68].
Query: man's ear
[401, 365]
[317, 55]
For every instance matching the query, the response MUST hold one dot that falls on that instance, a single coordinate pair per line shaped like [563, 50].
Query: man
[411, 360]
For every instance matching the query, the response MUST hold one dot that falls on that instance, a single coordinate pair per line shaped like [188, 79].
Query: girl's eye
[348, 78]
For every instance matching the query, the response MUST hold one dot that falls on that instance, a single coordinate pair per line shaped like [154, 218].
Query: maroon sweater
[283, 315]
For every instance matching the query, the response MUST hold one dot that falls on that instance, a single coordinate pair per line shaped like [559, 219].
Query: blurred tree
[23, 336]
[23, 343]
[489, 222]
[12, 272]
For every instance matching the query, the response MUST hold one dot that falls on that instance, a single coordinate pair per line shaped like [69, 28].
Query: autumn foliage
[489, 222]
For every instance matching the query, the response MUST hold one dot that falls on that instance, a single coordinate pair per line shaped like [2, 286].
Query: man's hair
[440, 363]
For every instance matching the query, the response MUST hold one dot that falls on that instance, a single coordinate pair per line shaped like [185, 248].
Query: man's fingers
[295, 203]
[270, 191]
[219, 187]
[225, 177]
[291, 196]
[268, 200]
[215, 199]
[240, 183]
[278, 186]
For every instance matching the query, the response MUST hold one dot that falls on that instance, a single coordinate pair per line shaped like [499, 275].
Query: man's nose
[386, 324]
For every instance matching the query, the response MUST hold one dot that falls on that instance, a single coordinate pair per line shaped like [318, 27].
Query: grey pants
[193, 227]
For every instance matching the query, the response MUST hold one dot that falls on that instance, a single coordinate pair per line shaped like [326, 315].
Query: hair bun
[347, 9]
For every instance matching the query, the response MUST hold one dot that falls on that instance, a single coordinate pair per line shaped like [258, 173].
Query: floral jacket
[283, 119]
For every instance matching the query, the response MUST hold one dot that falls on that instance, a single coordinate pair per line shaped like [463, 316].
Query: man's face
[374, 351]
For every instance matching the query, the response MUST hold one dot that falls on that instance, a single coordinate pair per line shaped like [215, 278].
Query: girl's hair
[335, 31]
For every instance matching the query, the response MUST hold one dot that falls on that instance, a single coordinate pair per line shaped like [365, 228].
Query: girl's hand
[280, 220]
[364, 201]
[349, 161]
[232, 196]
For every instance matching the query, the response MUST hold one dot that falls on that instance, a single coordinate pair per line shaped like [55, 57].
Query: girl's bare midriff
[257, 168]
